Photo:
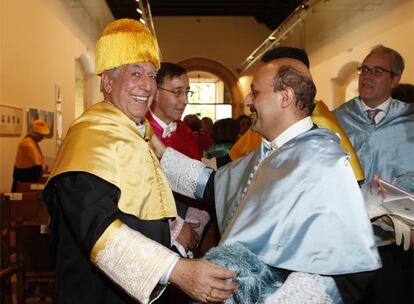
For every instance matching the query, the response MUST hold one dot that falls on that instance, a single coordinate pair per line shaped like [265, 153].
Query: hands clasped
[188, 237]
[203, 281]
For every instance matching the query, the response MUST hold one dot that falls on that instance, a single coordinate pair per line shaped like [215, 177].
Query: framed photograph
[11, 123]
[47, 116]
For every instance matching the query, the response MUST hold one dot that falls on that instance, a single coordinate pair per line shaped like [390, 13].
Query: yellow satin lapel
[323, 117]
[106, 143]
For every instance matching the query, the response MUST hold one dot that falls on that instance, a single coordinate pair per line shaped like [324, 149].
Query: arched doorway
[222, 76]
[345, 84]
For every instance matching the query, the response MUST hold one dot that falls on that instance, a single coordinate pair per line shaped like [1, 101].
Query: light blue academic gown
[303, 210]
[385, 149]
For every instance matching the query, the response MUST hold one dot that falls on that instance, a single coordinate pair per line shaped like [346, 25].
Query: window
[211, 97]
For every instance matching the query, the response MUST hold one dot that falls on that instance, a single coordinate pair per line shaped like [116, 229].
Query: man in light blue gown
[294, 201]
[385, 143]
[381, 130]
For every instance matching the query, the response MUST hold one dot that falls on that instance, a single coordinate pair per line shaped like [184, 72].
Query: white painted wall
[228, 40]
[37, 52]
[390, 24]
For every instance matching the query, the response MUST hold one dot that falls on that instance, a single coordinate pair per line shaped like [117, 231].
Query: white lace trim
[301, 288]
[134, 262]
[182, 172]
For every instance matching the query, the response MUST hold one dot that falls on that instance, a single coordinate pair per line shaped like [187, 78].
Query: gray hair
[397, 62]
[112, 73]
[302, 86]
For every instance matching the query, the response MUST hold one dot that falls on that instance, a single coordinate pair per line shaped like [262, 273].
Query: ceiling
[270, 12]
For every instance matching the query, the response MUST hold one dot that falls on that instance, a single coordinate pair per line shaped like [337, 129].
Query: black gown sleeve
[82, 206]
[223, 160]
[88, 204]
[208, 195]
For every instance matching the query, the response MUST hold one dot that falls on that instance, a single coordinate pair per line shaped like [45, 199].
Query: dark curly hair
[301, 84]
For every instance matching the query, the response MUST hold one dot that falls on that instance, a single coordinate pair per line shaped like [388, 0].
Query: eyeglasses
[179, 93]
[377, 71]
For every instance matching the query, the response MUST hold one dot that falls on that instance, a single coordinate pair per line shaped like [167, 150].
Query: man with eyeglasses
[168, 107]
[165, 118]
[382, 131]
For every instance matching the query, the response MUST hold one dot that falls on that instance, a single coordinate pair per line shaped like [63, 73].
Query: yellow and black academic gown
[29, 162]
[109, 202]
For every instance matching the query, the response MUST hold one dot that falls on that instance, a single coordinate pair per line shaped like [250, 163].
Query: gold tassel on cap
[125, 41]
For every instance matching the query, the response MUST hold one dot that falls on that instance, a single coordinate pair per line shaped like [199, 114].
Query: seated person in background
[403, 92]
[206, 126]
[225, 133]
[29, 164]
[195, 124]
[244, 123]
[381, 130]
[293, 201]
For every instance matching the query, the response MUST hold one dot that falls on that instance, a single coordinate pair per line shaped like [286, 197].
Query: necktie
[371, 115]
[169, 129]
[267, 149]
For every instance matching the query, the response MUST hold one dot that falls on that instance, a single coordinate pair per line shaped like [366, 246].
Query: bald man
[294, 201]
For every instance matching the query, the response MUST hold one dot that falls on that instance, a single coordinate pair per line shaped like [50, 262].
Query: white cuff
[166, 275]
[133, 261]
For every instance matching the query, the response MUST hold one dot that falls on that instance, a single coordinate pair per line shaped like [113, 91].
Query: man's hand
[158, 146]
[203, 281]
[211, 163]
[188, 237]
[389, 222]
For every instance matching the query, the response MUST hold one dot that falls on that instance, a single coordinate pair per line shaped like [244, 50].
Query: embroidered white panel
[134, 262]
[182, 172]
[302, 288]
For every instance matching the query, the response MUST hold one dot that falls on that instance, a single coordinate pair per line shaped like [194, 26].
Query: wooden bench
[26, 187]
[23, 217]
[28, 207]
[7, 268]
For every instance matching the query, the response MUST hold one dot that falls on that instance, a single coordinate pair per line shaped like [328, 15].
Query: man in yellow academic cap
[108, 199]
[29, 164]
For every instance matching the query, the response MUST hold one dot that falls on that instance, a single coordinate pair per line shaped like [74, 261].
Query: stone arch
[92, 82]
[222, 72]
[346, 74]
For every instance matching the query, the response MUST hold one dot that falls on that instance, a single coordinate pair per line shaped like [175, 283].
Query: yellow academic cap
[40, 126]
[125, 41]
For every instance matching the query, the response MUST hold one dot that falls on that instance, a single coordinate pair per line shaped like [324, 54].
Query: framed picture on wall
[11, 121]
[47, 116]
